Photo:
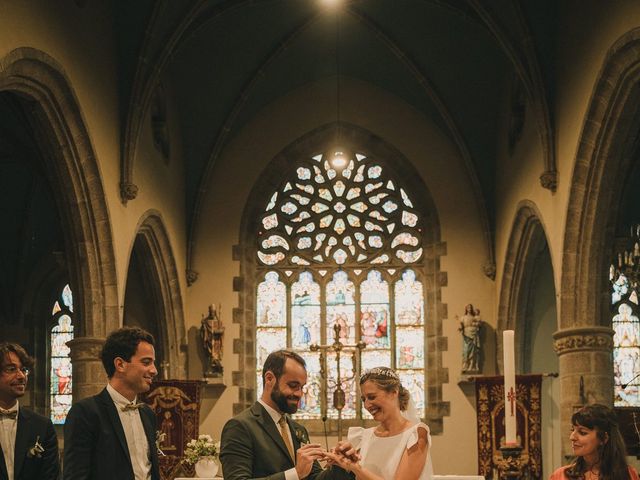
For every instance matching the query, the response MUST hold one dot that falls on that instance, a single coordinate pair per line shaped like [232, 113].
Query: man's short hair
[276, 360]
[122, 343]
[8, 347]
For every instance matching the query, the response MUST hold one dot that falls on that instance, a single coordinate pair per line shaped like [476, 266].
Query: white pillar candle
[510, 410]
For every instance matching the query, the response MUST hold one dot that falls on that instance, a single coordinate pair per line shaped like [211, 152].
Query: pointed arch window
[60, 388]
[342, 244]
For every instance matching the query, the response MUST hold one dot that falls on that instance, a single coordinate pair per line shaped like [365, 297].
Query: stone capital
[89, 376]
[128, 191]
[549, 180]
[592, 338]
[85, 348]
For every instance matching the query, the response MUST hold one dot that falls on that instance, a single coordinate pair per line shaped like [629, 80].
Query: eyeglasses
[12, 370]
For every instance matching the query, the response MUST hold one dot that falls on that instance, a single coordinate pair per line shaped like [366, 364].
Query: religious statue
[470, 326]
[211, 333]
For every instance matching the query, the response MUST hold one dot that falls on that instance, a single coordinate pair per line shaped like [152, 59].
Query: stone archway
[74, 174]
[527, 239]
[157, 264]
[604, 155]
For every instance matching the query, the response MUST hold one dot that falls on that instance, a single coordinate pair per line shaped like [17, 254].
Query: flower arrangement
[204, 446]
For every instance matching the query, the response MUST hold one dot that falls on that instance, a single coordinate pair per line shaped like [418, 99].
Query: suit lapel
[266, 423]
[109, 409]
[22, 440]
[147, 423]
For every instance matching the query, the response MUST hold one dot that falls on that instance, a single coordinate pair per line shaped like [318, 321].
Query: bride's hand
[347, 463]
[346, 450]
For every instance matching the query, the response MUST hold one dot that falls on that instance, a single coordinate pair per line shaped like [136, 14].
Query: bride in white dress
[398, 448]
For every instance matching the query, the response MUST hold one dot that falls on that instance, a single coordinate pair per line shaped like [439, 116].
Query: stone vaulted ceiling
[452, 60]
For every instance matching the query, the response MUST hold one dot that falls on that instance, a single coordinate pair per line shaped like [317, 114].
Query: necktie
[284, 432]
[132, 406]
[12, 414]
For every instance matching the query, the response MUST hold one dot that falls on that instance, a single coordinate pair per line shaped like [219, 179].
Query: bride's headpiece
[380, 372]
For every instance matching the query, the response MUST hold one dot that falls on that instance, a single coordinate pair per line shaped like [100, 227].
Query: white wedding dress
[381, 455]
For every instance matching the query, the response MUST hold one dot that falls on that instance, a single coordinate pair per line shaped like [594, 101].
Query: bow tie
[12, 414]
[132, 406]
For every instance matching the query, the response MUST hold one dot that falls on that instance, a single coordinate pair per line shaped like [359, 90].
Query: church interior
[301, 164]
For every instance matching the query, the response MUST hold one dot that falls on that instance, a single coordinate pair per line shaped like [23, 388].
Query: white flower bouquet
[204, 446]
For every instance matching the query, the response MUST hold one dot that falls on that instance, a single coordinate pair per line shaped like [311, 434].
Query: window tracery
[342, 246]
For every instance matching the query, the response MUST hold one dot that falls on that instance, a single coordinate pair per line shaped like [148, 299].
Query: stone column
[89, 376]
[583, 352]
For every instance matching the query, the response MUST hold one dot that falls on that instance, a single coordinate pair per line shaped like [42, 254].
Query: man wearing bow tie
[111, 435]
[28, 440]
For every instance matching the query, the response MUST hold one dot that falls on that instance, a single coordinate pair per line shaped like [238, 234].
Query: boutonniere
[37, 450]
[159, 439]
[302, 436]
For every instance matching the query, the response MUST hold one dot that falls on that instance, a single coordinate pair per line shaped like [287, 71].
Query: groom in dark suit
[263, 442]
[29, 447]
[112, 436]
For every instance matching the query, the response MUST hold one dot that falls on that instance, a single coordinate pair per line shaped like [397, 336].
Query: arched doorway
[51, 110]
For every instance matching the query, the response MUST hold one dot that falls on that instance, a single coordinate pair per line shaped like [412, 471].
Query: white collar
[119, 399]
[273, 413]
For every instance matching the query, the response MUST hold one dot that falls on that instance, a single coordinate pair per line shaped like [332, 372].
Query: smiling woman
[398, 447]
[598, 446]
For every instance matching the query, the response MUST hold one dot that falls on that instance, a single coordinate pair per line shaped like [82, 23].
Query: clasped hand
[343, 455]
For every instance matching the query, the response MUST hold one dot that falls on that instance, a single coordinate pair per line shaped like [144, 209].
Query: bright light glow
[339, 160]
[331, 3]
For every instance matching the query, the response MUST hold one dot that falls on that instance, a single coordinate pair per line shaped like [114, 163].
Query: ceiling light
[339, 160]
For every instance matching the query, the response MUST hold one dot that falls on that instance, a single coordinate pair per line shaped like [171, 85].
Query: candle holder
[512, 465]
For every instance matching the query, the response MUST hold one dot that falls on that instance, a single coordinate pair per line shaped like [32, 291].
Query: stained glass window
[60, 392]
[340, 252]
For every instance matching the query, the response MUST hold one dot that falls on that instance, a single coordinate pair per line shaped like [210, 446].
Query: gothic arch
[245, 253]
[158, 263]
[60, 131]
[604, 156]
[527, 239]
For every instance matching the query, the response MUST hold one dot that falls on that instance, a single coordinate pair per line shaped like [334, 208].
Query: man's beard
[281, 400]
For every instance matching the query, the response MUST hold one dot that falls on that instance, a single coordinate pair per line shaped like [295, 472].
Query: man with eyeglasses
[28, 440]
[111, 436]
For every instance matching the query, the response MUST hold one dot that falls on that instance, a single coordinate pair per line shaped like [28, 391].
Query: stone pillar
[89, 376]
[583, 352]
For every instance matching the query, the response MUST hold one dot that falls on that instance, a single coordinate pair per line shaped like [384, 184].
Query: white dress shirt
[8, 428]
[290, 474]
[134, 433]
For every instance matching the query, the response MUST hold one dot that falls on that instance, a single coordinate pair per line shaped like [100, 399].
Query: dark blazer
[44, 466]
[95, 447]
[252, 448]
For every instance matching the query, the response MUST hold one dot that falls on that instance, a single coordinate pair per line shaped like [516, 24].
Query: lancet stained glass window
[60, 392]
[340, 252]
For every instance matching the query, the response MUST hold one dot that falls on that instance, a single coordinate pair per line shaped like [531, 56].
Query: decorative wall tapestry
[176, 404]
[490, 417]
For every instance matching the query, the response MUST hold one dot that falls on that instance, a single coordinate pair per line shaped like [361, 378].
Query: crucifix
[511, 396]
[339, 395]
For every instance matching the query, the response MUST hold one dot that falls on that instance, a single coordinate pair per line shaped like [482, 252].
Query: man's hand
[346, 450]
[305, 456]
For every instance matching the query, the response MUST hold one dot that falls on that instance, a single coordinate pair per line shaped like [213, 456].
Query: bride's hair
[386, 379]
